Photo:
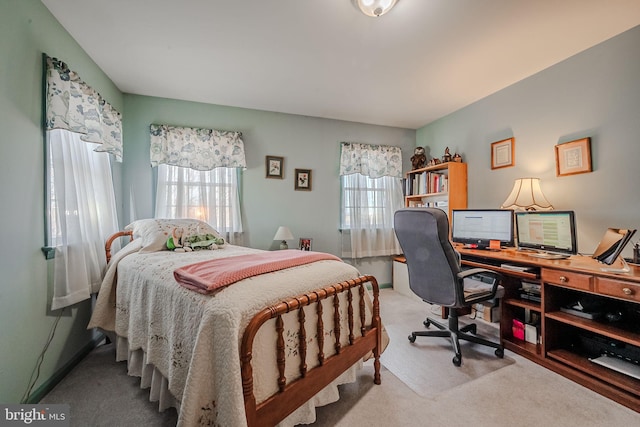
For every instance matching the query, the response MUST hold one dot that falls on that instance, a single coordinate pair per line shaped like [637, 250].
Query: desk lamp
[283, 234]
[526, 195]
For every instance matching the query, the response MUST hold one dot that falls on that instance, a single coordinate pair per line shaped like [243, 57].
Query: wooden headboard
[107, 246]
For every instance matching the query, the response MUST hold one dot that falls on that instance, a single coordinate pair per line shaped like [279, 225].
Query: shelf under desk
[560, 279]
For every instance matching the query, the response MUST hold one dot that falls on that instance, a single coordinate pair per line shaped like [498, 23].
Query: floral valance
[196, 148]
[75, 106]
[373, 161]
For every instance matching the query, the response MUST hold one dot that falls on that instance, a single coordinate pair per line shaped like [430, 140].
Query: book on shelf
[426, 183]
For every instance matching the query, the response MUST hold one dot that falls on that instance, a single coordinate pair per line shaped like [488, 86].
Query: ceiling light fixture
[375, 8]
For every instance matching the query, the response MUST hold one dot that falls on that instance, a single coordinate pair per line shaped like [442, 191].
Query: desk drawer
[571, 280]
[615, 288]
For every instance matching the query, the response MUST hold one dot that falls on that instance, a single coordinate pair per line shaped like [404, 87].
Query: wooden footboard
[293, 394]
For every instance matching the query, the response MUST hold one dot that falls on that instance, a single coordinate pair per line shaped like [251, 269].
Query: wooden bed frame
[293, 394]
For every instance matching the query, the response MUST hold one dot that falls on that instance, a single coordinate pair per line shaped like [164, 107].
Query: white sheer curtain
[82, 214]
[211, 196]
[371, 193]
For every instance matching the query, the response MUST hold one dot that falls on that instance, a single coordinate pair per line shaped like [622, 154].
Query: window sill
[49, 252]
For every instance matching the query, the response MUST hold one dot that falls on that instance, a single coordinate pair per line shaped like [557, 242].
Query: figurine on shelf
[457, 158]
[447, 156]
[434, 161]
[419, 158]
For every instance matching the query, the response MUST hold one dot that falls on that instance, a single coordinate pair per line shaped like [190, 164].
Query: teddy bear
[419, 158]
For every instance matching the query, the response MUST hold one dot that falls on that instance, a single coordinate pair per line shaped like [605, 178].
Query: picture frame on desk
[503, 153]
[573, 157]
[305, 244]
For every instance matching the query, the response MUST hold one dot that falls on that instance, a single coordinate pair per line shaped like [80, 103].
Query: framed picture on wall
[274, 166]
[503, 153]
[305, 244]
[573, 157]
[303, 179]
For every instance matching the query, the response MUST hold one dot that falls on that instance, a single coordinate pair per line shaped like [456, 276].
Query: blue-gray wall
[595, 94]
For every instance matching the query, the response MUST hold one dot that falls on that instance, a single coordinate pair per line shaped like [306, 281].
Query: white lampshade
[283, 234]
[527, 195]
[375, 8]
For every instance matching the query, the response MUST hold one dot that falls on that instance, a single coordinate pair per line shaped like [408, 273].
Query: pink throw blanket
[208, 276]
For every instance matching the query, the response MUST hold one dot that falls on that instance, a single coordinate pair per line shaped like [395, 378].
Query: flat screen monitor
[478, 227]
[549, 233]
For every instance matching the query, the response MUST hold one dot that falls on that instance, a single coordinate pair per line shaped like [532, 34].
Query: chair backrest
[432, 262]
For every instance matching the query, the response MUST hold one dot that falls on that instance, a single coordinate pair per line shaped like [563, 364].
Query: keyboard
[619, 365]
[546, 255]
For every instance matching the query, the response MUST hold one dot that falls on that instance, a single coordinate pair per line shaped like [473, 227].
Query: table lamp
[527, 195]
[283, 234]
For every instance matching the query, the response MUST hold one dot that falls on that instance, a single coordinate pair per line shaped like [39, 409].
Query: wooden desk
[561, 346]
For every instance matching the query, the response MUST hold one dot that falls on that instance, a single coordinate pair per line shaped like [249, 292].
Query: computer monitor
[551, 234]
[478, 227]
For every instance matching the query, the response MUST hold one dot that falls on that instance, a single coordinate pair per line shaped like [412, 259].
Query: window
[211, 196]
[81, 128]
[366, 201]
[371, 192]
[81, 214]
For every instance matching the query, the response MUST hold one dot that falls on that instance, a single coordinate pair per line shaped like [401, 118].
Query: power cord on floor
[36, 369]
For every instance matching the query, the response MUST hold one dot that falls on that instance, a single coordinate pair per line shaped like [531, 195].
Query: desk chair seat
[435, 275]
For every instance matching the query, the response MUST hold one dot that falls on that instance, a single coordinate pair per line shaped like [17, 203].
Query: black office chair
[436, 277]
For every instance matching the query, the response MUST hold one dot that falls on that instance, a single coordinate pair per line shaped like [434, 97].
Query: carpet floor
[420, 387]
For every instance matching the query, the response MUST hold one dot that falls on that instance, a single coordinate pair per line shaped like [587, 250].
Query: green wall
[27, 29]
[304, 142]
[595, 94]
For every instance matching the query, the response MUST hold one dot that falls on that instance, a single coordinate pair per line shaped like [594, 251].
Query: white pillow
[154, 232]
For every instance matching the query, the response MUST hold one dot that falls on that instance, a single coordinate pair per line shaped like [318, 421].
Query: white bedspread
[194, 339]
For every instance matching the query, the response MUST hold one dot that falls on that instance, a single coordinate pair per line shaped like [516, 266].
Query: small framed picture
[274, 166]
[305, 244]
[573, 157]
[303, 179]
[503, 153]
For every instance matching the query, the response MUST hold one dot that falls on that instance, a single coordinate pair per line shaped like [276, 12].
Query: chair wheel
[426, 323]
[457, 360]
[500, 352]
[412, 338]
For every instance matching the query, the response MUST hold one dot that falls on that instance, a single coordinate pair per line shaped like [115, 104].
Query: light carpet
[522, 393]
[426, 365]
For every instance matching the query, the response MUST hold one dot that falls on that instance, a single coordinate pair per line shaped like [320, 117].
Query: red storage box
[518, 329]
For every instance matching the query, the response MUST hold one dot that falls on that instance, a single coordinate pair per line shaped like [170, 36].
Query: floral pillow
[154, 232]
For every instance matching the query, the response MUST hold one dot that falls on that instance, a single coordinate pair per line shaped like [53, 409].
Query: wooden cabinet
[569, 342]
[443, 186]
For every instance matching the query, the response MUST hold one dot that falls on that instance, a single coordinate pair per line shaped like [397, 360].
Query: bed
[263, 351]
